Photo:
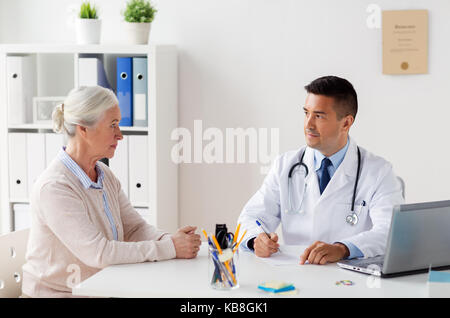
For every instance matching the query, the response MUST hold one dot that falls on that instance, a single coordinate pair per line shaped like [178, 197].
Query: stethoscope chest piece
[352, 219]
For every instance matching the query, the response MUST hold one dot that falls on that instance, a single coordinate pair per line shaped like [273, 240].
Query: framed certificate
[405, 42]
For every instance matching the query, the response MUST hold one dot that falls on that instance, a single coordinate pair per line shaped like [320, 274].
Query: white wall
[243, 63]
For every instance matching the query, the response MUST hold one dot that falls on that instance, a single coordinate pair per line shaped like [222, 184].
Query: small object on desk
[221, 258]
[276, 287]
[438, 283]
[345, 283]
[222, 254]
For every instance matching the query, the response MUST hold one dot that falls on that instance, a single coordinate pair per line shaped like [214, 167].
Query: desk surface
[189, 279]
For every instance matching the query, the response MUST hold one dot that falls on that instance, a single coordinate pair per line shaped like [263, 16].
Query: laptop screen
[419, 236]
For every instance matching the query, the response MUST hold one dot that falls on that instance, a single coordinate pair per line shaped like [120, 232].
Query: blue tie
[325, 175]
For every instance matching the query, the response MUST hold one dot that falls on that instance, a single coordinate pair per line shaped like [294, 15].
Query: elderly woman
[82, 221]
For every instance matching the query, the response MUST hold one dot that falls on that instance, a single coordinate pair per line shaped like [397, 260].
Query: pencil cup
[223, 269]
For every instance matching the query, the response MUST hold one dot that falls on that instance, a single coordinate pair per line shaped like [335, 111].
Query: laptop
[419, 239]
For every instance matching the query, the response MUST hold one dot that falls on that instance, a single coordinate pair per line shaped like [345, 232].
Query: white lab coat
[323, 217]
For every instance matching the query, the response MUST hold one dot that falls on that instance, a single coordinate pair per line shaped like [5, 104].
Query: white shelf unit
[32, 127]
[162, 95]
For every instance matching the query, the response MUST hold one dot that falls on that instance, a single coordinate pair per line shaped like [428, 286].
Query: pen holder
[223, 269]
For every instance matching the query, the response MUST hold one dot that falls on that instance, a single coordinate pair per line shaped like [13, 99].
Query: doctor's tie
[325, 178]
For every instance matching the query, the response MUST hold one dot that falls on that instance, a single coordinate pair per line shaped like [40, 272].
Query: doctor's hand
[186, 242]
[264, 247]
[322, 253]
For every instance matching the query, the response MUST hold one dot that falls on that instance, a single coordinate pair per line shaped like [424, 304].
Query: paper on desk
[282, 258]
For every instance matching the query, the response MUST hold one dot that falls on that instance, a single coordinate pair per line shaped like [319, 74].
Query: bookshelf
[57, 73]
[31, 127]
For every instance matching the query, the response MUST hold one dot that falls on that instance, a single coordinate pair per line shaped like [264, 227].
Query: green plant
[139, 11]
[88, 11]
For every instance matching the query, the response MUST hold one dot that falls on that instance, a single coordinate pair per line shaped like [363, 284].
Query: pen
[214, 254]
[215, 258]
[262, 228]
[226, 262]
[363, 204]
[204, 233]
[236, 233]
[217, 262]
[239, 242]
[216, 243]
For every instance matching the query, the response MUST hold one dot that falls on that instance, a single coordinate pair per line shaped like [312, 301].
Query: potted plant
[138, 16]
[88, 25]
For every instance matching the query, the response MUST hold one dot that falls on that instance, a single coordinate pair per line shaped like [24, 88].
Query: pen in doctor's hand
[262, 228]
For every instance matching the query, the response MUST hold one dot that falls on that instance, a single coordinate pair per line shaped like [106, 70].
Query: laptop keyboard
[377, 260]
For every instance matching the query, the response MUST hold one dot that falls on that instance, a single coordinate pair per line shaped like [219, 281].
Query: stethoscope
[352, 218]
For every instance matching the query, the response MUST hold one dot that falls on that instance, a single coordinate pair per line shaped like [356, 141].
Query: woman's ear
[81, 131]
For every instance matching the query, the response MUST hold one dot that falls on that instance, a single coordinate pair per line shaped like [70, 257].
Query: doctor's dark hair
[346, 100]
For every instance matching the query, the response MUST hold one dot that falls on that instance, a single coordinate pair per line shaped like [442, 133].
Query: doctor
[331, 195]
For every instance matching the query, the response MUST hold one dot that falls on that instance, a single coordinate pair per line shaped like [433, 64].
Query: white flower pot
[88, 31]
[137, 33]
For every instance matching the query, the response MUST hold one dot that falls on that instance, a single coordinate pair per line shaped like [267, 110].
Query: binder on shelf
[140, 109]
[22, 216]
[138, 167]
[18, 180]
[21, 86]
[119, 164]
[53, 144]
[91, 72]
[125, 89]
[35, 158]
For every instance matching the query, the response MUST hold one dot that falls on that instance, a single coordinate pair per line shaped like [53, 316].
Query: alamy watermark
[75, 277]
[234, 145]
[374, 281]
[373, 21]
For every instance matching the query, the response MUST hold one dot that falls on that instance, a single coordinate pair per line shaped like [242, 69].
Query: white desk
[189, 279]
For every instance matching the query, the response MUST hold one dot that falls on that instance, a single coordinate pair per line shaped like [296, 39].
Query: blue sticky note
[288, 288]
[439, 277]
[276, 287]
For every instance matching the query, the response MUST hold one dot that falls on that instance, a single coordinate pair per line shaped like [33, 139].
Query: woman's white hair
[83, 106]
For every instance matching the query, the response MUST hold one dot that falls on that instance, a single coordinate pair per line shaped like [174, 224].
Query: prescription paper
[282, 258]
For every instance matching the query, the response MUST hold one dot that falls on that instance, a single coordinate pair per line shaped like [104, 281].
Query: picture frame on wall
[43, 107]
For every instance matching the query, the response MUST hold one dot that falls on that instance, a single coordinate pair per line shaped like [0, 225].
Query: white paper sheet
[282, 258]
